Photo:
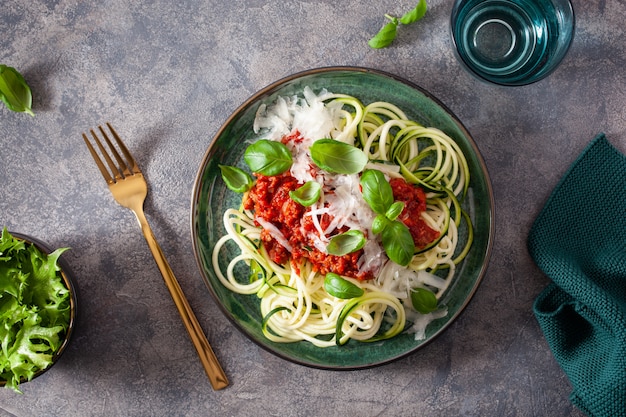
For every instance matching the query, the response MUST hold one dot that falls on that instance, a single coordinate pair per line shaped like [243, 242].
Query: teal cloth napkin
[579, 241]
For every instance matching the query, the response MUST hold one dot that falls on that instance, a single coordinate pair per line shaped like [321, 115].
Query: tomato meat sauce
[269, 199]
[414, 199]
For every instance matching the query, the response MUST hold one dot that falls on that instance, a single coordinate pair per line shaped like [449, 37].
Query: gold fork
[129, 188]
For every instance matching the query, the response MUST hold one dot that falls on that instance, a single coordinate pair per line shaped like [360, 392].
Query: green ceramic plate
[211, 198]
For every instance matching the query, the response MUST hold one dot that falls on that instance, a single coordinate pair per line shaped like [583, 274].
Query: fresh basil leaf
[376, 190]
[394, 210]
[14, 91]
[385, 35]
[398, 243]
[415, 14]
[337, 157]
[268, 157]
[388, 33]
[423, 300]
[345, 243]
[307, 194]
[236, 179]
[379, 223]
[340, 287]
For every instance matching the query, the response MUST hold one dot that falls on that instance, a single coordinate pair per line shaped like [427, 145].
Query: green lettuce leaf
[34, 309]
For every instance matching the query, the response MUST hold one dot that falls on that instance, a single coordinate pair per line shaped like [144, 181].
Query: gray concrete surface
[167, 74]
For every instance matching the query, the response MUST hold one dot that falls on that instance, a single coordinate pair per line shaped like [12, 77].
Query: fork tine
[129, 157]
[114, 169]
[123, 170]
[99, 163]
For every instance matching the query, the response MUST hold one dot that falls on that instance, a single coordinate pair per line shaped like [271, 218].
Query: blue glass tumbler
[512, 42]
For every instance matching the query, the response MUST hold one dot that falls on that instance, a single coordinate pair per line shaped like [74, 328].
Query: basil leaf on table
[423, 300]
[14, 91]
[415, 14]
[345, 243]
[340, 287]
[337, 157]
[236, 179]
[385, 35]
[307, 194]
[268, 157]
[376, 190]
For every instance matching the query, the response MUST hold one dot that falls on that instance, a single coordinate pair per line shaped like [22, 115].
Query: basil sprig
[423, 300]
[340, 287]
[236, 179]
[14, 91]
[307, 194]
[268, 157]
[345, 243]
[337, 157]
[388, 32]
[396, 237]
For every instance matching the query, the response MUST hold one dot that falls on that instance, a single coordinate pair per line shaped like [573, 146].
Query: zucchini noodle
[293, 302]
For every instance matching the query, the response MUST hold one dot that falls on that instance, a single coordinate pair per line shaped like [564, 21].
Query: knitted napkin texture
[579, 241]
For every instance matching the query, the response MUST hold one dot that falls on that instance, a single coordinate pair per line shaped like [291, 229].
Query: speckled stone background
[167, 74]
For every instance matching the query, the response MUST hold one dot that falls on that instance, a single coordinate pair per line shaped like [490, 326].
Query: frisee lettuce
[34, 309]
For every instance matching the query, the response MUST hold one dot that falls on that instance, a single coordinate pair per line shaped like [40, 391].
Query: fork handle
[209, 361]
